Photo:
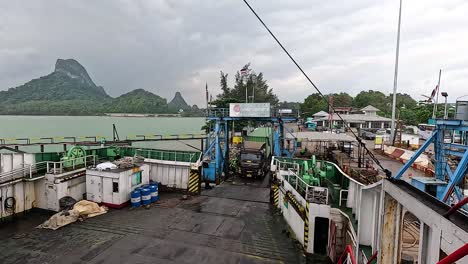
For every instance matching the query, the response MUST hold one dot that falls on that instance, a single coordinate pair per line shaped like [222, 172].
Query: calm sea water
[79, 126]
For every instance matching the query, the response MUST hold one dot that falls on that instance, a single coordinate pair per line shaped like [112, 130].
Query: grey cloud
[169, 46]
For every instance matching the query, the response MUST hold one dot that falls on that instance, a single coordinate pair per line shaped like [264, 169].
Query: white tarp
[82, 209]
[106, 166]
[249, 110]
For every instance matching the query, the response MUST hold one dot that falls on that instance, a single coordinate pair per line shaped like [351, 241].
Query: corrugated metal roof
[261, 132]
[320, 136]
[356, 118]
[321, 113]
[370, 108]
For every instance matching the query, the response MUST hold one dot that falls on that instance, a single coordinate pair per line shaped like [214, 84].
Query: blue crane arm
[415, 156]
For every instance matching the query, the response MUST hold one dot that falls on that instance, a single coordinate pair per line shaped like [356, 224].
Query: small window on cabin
[136, 178]
[115, 187]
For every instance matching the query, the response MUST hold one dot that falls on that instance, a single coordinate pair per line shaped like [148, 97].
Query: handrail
[299, 182]
[364, 257]
[217, 112]
[344, 173]
[456, 255]
[286, 163]
[57, 167]
[92, 139]
[347, 256]
[24, 172]
[456, 207]
[341, 196]
[307, 187]
[373, 257]
[148, 153]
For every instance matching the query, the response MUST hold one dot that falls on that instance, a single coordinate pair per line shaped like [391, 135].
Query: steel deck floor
[232, 223]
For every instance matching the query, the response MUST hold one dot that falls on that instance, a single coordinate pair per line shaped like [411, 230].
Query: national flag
[245, 70]
[434, 92]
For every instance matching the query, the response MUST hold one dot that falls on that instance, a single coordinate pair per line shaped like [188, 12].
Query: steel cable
[386, 171]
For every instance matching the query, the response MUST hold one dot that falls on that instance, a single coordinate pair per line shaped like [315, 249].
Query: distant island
[70, 91]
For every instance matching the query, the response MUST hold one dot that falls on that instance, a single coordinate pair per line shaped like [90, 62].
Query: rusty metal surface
[388, 247]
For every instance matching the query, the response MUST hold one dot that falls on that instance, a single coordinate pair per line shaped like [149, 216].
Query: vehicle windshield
[250, 156]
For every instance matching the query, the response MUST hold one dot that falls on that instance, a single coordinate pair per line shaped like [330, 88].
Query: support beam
[457, 176]
[416, 155]
[439, 153]
[281, 132]
[454, 153]
[277, 146]
[449, 171]
[218, 156]
[226, 147]
[460, 195]
[208, 148]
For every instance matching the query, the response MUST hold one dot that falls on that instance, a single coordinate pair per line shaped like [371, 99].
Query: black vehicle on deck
[253, 160]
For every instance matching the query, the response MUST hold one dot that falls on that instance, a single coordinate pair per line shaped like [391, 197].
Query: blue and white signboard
[249, 110]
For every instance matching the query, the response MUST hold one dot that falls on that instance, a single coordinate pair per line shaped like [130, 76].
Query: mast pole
[395, 79]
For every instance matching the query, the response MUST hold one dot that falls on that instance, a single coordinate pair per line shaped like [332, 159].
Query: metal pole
[253, 89]
[246, 92]
[434, 110]
[395, 79]
[445, 109]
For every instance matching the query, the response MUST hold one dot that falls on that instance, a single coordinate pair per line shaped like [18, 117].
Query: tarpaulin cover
[106, 166]
[397, 153]
[82, 209]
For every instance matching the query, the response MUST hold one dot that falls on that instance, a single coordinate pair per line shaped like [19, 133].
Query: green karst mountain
[178, 103]
[69, 81]
[69, 90]
[136, 101]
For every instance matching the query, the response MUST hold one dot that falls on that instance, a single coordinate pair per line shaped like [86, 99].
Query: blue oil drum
[145, 196]
[135, 198]
[154, 193]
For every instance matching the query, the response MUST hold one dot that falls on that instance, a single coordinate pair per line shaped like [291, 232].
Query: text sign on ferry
[249, 110]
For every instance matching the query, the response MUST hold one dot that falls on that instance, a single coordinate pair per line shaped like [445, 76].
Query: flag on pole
[245, 70]
[434, 92]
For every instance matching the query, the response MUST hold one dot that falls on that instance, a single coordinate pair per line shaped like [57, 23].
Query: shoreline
[131, 115]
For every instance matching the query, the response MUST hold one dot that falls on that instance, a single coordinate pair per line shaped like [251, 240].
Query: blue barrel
[145, 196]
[154, 193]
[138, 189]
[135, 198]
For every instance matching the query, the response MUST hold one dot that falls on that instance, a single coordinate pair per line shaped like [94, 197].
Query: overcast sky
[178, 45]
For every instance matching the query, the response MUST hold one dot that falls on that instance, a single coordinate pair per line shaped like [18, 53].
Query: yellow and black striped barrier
[306, 226]
[296, 205]
[276, 191]
[194, 182]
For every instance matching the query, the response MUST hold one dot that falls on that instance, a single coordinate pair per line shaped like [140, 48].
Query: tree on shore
[410, 112]
[251, 83]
